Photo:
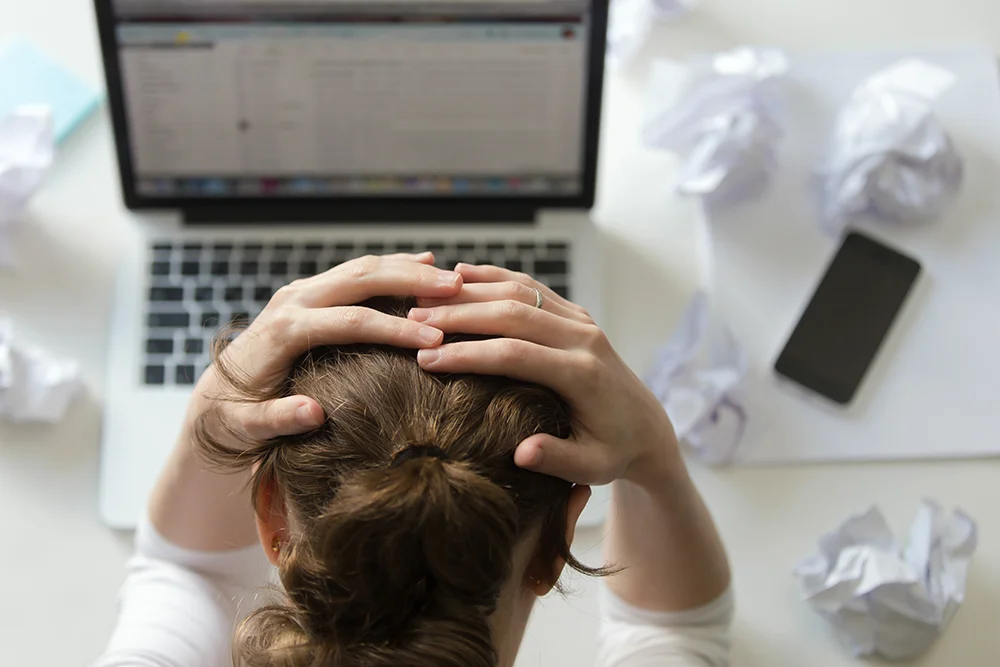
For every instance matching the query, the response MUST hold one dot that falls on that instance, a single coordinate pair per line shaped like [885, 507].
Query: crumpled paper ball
[889, 156]
[726, 122]
[27, 148]
[696, 377]
[885, 600]
[630, 22]
[34, 385]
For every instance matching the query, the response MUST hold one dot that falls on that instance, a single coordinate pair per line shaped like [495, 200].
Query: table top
[64, 566]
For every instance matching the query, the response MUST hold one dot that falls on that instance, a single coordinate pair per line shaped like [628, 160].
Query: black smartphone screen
[849, 316]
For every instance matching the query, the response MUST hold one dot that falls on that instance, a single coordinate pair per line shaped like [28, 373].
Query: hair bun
[411, 452]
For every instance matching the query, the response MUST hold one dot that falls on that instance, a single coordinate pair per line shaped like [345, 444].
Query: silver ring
[539, 299]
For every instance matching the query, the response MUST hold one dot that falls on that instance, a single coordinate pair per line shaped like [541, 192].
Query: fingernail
[307, 416]
[429, 334]
[448, 279]
[428, 357]
[420, 314]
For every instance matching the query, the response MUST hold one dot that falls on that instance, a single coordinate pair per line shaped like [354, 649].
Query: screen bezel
[385, 207]
[808, 376]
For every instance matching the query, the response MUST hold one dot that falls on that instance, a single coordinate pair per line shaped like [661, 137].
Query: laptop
[288, 137]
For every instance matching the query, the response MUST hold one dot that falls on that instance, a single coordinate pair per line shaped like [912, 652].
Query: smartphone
[848, 318]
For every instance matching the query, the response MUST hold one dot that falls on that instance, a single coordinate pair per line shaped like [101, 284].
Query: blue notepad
[28, 76]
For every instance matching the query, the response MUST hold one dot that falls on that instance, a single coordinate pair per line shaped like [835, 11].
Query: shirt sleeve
[634, 637]
[178, 608]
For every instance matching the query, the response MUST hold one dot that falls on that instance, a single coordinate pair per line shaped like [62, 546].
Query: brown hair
[398, 562]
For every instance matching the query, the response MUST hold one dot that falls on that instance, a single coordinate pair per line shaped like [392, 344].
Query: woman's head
[404, 528]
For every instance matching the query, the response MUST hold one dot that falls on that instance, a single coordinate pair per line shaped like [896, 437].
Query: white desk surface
[62, 567]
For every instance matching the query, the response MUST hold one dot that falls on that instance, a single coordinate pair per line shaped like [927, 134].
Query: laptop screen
[337, 98]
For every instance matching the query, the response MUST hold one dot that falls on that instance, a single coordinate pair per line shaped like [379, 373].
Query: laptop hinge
[344, 213]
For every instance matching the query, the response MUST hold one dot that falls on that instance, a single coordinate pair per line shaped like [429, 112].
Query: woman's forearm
[665, 538]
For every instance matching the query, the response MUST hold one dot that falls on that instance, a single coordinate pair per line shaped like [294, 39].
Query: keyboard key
[314, 247]
[374, 248]
[184, 375]
[220, 268]
[194, 346]
[406, 246]
[525, 246]
[283, 248]
[480, 261]
[210, 320]
[160, 269]
[223, 248]
[166, 294]
[278, 268]
[203, 294]
[551, 267]
[160, 346]
[465, 246]
[343, 247]
[239, 319]
[155, 374]
[249, 268]
[252, 248]
[190, 268]
[169, 320]
[262, 294]
[233, 294]
[514, 265]
[496, 246]
[561, 291]
[163, 247]
[192, 247]
[308, 268]
[556, 247]
[436, 246]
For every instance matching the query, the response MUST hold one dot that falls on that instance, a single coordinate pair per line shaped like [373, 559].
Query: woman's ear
[578, 499]
[272, 519]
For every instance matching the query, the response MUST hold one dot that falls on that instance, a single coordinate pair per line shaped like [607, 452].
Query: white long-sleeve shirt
[178, 608]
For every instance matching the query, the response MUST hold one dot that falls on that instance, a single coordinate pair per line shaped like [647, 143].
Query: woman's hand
[622, 431]
[321, 311]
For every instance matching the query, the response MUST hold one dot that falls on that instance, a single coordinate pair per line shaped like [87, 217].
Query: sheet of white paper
[725, 121]
[34, 385]
[696, 376]
[26, 151]
[883, 600]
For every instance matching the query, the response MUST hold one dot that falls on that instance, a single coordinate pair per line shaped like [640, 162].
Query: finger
[273, 419]
[516, 359]
[348, 325]
[494, 274]
[368, 277]
[510, 319]
[513, 291]
[570, 460]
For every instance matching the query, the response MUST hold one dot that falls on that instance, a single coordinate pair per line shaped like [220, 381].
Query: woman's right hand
[622, 431]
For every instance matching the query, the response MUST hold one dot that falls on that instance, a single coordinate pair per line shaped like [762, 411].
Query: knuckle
[355, 317]
[596, 339]
[513, 291]
[511, 351]
[363, 267]
[510, 308]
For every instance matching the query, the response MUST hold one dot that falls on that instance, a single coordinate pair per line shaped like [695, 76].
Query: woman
[415, 515]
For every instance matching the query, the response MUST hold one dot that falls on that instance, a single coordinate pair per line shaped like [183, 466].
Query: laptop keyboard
[196, 288]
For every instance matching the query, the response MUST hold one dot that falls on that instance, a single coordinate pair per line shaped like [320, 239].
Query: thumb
[571, 460]
[272, 419]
